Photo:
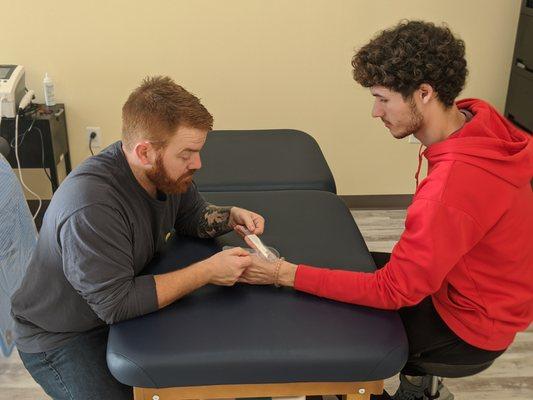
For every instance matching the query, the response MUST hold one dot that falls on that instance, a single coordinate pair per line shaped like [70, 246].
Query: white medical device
[12, 89]
[14, 98]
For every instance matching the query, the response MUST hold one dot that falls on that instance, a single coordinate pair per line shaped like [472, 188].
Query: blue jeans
[77, 370]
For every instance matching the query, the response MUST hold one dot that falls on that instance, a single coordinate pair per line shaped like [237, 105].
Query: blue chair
[18, 237]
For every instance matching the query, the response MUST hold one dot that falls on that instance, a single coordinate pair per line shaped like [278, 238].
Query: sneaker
[415, 387]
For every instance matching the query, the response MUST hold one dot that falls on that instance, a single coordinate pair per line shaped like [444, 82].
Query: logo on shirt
[169, 235]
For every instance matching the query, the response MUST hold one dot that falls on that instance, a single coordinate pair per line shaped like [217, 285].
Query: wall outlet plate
[97, 140]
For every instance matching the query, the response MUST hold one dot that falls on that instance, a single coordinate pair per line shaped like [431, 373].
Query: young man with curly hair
[461, 274]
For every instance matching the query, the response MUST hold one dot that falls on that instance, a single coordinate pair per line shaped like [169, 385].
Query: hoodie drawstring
[420, 152]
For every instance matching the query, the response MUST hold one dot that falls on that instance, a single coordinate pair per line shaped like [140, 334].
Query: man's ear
[145, 153]
[426, 93]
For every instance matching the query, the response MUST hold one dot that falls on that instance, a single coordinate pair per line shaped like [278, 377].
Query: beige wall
[255, 64]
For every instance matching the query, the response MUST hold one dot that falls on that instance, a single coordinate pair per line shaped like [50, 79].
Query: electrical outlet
[413, 140]
[96, 143]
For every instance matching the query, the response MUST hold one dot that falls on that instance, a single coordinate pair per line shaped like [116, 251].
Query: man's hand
[239, 217]
[223, 268]
[226, 267]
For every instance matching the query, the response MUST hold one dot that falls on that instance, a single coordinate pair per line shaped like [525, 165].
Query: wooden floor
[511, 376]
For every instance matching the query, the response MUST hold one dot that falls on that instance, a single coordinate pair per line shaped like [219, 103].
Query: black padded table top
[277, 159]
[262, 334]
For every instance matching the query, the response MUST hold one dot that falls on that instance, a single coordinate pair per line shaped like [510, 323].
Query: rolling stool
[438, 371]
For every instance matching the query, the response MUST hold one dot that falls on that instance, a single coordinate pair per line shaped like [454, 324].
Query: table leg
[55, 178]
[138, 393]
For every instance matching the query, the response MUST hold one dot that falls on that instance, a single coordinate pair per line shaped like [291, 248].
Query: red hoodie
[468, 238]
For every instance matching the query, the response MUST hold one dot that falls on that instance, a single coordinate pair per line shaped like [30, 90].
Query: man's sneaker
[415, 387]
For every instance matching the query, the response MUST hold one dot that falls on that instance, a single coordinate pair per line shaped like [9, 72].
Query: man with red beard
[104, 224]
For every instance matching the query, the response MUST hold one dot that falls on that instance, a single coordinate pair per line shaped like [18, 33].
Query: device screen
[5, 72]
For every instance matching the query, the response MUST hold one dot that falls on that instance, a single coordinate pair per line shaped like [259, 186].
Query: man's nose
[196, 161]
[377, 111]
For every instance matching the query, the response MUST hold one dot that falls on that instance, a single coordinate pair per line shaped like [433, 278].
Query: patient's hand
[260, 271]
[263, 272]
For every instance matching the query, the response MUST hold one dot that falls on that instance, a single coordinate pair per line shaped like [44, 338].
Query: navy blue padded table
[249, 341]
[276, 159]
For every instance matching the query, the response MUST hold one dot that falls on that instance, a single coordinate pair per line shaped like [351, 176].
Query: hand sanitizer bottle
[49, 96]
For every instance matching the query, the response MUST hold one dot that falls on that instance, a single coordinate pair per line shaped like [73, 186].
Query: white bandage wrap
[259, 246]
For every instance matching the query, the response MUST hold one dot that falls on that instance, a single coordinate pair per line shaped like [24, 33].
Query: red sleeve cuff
[308, 279]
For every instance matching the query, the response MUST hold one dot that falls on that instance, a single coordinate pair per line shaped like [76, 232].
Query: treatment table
[275, 159]
[258, 341]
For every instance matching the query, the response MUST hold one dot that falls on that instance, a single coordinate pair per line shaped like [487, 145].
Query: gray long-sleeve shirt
[99, 232]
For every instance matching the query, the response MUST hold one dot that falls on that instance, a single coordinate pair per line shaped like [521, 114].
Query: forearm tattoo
[214, 221]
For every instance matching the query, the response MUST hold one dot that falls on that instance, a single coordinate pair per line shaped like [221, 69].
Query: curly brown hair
[411, 53]
[157, 108]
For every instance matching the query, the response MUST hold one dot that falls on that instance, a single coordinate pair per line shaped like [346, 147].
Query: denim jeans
[77, 370]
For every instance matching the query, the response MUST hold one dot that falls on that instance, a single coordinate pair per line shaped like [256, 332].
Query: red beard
[162, 181]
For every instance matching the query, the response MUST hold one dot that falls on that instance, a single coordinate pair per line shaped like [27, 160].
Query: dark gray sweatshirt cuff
[147, 294]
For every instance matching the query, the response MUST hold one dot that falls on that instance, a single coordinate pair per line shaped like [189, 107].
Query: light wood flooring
[510, 377]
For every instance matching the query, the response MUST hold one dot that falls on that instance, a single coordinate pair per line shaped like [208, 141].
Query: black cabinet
[519, 105]
[43, 141]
